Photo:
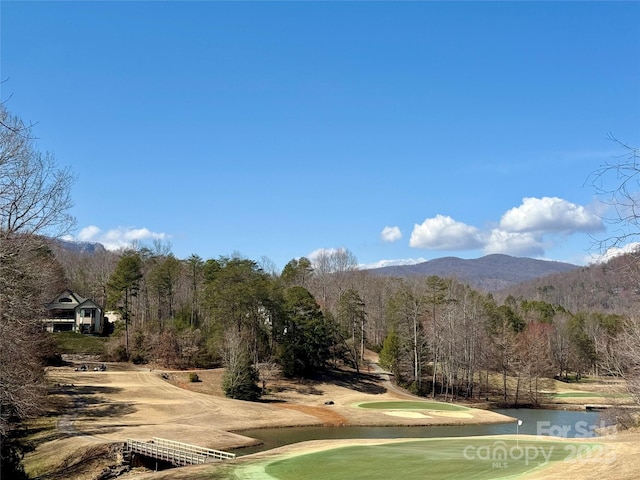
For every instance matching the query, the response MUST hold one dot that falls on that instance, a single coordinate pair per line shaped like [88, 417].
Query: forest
[437, 336]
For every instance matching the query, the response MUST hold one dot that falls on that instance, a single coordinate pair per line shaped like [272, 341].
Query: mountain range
[490, 273]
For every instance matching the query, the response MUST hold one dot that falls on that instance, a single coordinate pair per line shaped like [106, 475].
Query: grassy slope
[77, 343]
[442, 458]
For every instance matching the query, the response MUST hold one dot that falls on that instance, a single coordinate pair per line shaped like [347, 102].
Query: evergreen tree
[390, 353]
[124, 284]
[352, 318]
[306, 338]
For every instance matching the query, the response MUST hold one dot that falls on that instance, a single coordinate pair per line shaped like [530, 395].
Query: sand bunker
[407, 414]
[451, 414]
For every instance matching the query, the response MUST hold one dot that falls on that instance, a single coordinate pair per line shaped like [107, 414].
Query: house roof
[89, 303]
[68, 300]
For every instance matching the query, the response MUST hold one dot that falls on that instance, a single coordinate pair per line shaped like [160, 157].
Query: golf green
[412, 405]
[439, 458]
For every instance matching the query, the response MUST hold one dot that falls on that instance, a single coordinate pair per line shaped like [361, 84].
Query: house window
[88, 313]
[62, 314]
[65, 327]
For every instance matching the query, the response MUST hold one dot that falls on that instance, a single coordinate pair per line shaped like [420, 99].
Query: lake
[559, 423]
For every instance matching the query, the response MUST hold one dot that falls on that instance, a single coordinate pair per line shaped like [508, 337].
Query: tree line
[437, 336]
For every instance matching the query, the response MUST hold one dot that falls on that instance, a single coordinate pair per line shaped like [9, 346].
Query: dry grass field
[128, 401]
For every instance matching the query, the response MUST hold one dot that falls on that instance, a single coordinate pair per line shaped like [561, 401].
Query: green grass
[435, 459]
[77, 343]
[412, 405]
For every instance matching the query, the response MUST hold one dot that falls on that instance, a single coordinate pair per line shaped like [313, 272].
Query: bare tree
[34, 192]
[195, 266]
[534, 351]
[333, 272]
[562, 349]
[240, 376]
[460, 332]
[190, 343]
[617, 183]
[406, 312]
[624, 358]
[87, 272]
[34, 201]
[375, 291]
[268, 371]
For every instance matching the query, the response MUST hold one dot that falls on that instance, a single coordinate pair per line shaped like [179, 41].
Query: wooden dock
[176, 453]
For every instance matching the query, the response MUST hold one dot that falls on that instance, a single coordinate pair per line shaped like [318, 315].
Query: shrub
[53, 360]
[193, 377]
[119, 354]
[138, 359]
[419, 391]
[240, 383]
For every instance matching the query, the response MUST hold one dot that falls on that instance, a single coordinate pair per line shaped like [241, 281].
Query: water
[557, 423]
[560, 423]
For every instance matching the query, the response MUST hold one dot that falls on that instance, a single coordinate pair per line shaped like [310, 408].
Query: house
[69, 312]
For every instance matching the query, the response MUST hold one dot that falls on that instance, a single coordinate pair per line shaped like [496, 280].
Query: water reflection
[566, 423]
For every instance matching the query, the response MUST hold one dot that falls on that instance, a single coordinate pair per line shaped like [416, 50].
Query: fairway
[442, 458]
[413, 405]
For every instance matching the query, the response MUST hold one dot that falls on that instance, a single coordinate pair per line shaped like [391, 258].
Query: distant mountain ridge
[490, 273]
[82, 247]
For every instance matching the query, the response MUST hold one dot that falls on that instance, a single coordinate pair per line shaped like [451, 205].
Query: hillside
[612, 287]
[490, 273]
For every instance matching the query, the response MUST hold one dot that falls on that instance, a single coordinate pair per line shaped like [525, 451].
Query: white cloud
[529, 229]
[120, 237]
[88, 233]
[514, 243]
[323, 252]
[612, 252]
[444, 233]
[391, 234]
[550, 214]
[389, 263]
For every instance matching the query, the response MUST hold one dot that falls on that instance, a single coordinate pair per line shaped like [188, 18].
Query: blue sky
[398, 130]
